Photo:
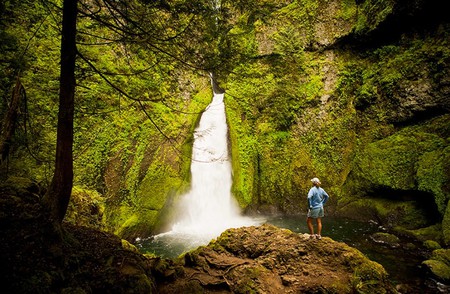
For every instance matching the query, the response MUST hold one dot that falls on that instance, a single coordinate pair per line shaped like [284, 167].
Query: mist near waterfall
[208, 208]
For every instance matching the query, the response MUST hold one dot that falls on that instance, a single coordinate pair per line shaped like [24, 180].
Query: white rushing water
[208, 208]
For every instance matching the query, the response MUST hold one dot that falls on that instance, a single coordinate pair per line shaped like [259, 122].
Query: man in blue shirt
[316, 199]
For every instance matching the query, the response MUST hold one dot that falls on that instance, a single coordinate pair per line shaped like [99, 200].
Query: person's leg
[310, 225]
[319, 226]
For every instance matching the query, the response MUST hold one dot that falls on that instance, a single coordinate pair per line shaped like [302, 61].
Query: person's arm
[310, 194]
[325, 197]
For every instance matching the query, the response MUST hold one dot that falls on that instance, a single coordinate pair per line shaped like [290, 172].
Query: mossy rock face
[431, 244]
[133, 224]
[361, 119]
[86, 208]
[433, 232]
[273, 260]
[388, 212]
[446, 225]
[407, 165]
[392, 162]
[439, 264]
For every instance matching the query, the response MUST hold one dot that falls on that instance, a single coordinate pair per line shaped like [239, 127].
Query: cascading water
[208, 208]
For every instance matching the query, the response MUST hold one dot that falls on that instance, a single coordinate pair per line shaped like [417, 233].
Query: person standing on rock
[316, 199]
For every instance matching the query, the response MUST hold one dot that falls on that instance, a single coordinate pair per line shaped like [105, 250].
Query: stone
[267, 259]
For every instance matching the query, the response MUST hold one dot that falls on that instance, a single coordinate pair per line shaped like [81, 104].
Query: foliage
[371, 14]
[86, 208]
[132, 104]
[299, 103]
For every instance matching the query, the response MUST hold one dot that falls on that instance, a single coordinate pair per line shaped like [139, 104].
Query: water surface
[403, 263]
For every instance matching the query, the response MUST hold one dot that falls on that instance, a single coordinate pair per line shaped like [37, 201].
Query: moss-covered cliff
[136, 105]
[354, 92]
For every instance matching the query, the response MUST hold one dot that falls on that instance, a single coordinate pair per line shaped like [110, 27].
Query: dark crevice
[408, 17]
[424, 200]
[421, 116]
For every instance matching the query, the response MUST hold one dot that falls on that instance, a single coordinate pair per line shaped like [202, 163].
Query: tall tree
[58, 196]
[155, 27]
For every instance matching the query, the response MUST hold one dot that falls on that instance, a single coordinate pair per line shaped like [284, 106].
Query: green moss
[446, 225]
[21, 183]
[248, 280]
[386, 238]
[138, 224]
[160, 179]
[128, 223]
[369, 277]
[439, 269]
[86, 208]
[390, 212]
[391, 162]
[433, 232]
[371, 13]
[348, 10]
[414, 158]
[431, 244]
[128, 246]
[442, 255]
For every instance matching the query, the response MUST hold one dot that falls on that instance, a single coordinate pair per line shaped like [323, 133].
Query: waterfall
[209, 207]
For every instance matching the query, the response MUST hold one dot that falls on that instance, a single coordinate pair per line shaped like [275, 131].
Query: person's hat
[315, 180]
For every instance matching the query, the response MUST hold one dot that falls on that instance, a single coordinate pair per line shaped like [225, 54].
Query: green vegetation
[439, 264]
[302, 100]
[134, 115]
[342, 114]
[353, 92]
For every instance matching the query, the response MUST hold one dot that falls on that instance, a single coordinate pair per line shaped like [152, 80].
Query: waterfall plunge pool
[403, 264]
[209, 208]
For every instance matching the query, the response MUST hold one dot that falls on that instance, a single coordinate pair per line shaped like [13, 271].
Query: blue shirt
[317, 197]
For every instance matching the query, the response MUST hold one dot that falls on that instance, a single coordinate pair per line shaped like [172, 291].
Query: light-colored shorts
[316, 212]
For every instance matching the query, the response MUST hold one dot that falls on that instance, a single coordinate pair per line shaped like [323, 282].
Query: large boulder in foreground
[267, 259]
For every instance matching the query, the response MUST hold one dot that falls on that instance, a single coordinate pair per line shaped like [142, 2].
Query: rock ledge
[267, 259]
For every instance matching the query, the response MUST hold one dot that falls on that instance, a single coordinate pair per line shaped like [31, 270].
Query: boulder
[267, 259]
[439, 264]
[386, 239]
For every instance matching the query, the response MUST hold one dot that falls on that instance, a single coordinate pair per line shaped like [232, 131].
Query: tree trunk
[9, 121]
[58, 196]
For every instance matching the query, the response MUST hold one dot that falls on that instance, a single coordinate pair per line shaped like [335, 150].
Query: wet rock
[386, 239]
[267, 259]
[431, 244]
[439, 264]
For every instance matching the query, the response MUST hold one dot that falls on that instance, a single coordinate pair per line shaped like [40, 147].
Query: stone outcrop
[267, 259]
[439, 264]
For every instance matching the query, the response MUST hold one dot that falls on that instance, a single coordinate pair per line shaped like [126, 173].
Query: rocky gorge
[354, 92]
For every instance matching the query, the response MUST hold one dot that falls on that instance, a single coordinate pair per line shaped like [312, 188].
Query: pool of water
[403, 263]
